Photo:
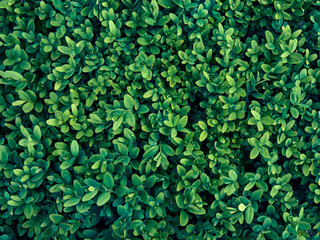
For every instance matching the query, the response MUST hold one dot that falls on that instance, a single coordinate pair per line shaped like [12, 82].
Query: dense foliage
[161, 119]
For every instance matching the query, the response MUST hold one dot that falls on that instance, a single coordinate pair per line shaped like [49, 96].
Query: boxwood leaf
[56, 218]
[108, 180]
[28, 211]
[72, 202]
[249, 214]
[103, 198]
[74, 148]
[128, 101]
[184, 218]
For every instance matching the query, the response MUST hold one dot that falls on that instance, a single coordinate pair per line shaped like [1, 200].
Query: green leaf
[11, 75]
[53, 122]
[25, 65]
[18, 103]
[184, 218]
[254, 153]
[196, 210]
[113, 28]
[130, 118]
[143, 41]
[265, 138]
[66, 50]
[89, 195]
[266, 68]
[274, 192]
[148, 94]
[122, 149]
[233, 175]
[260, 126]
[249, 186]
[249, 214]
[61, 31]
[3, 155]
[269, 37]
[146, 73]
[57, 4]
[179, 3]
[149, 183]
[253, 121]
[183, 121]
[28, 211]
[179, 201]
[167, 150]
[14, 203]
[229, 226]
[6, 3]
[122, 191]
[136, 180]
[95, 119]
[181, 171]
[165, 3]
[256, 195]
[72, 202]
[293, 45]
[304, 226]
[203, 136]
[151, 152]
[65, 128]
[129, 134]
[87, 69]
[230, 80]
[294, 112]
[164, 162]
[37, 132]
[267, 120]
[131, 24]
[56, 218]
[202, 125]
[108, 180]
[27, 107]
[103, 198]
[150, 21]
[242, 207]
[255, 114]
[128, 101]
[305, 169]
[285, 54]
[264, 152]
[74, 148]
[117, 123]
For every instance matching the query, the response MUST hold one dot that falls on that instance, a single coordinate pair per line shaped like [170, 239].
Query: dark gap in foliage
[299, 190]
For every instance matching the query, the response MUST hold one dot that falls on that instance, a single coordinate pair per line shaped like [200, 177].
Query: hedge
[161, 119]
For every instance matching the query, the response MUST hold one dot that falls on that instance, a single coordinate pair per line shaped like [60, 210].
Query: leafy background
[159, 119]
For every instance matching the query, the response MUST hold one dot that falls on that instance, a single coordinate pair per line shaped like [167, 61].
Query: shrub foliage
[161, 119]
